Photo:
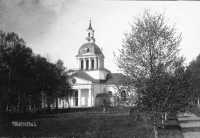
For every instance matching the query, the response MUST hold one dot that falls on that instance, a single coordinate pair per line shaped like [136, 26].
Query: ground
[86, 124]
[190, 123]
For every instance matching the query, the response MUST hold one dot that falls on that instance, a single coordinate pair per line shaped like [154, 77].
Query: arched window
[88, 34]
[123, 95]
[81, 64]
[92, 64]
[87, 64]
[109, 93]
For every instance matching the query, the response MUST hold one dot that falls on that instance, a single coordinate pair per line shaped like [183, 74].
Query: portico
[82, 98]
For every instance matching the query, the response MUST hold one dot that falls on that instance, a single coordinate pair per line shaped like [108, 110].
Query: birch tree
[148, 50]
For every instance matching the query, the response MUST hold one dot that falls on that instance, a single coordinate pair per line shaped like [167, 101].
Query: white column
[79, 63]
[98, 63]
[90, 63]
[79, 97]
[102, 63]
[90, 98]
[93, 98]
[72, 101]
[95, 63]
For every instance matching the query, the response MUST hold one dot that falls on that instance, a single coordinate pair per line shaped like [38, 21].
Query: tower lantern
[90, 34]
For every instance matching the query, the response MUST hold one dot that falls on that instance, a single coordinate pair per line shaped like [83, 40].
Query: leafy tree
[64, 90]
[16, 61]
[150, 49]
[27, 80]
[194, 67]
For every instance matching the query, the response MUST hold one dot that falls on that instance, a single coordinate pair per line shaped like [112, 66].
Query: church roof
[90, 48]
[83, 75]
[111, 78]
[102, 95]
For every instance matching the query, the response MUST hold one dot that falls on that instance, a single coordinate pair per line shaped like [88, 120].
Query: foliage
[194, 67]
[63, 88]
[26, 78]
[149, 58]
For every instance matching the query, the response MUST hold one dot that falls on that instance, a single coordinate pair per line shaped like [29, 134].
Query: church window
[81, 64]
[123, 95]
[88, 34]
[92, 64]
[87, 64]
[87, 49]
[109, 93]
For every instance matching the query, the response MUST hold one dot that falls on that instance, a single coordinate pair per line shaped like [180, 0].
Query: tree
[15, 68]
[27, 80]
[194, 67]
[150, 49]
[64, 90]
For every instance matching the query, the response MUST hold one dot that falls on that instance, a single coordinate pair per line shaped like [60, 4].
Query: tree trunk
[155, 129]
[56, 102]
[162, 120]
[7, 107]
[63, 103]
[165, 115]
[48, 102]
[198, 102]
[18, 106]
[68, 103]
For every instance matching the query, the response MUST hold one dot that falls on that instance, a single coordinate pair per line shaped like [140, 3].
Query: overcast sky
[58, 27]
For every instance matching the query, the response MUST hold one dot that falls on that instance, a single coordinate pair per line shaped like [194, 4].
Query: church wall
[97, 90]
[81, 81]
[106, 88]
[97, 74]
[84, 97]
[102, 74]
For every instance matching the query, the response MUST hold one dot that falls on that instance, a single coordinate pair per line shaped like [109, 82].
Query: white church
[91, 79]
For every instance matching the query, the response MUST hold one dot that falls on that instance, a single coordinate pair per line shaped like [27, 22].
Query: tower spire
[90, 34]
[90, 26]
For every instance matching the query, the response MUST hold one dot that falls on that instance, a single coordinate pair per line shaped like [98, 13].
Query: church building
[91, 80]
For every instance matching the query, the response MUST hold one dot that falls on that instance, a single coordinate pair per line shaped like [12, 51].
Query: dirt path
[190, 125]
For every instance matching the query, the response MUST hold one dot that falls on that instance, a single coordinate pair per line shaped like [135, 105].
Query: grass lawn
[88, 125]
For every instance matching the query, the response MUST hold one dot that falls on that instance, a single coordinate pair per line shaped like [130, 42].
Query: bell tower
[90, 58]
[90, 34]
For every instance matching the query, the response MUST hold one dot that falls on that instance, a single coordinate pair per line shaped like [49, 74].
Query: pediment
[77, 80]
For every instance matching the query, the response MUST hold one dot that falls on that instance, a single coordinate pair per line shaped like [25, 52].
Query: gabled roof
[111, 78]
[102, 95]
[83, 75]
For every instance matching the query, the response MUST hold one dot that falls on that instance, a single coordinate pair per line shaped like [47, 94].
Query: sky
[58, 27]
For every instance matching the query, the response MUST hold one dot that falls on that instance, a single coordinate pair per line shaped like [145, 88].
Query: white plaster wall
[84, 97]
[96, 90]
[97, 74]
[112, 88]
[82, 81]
